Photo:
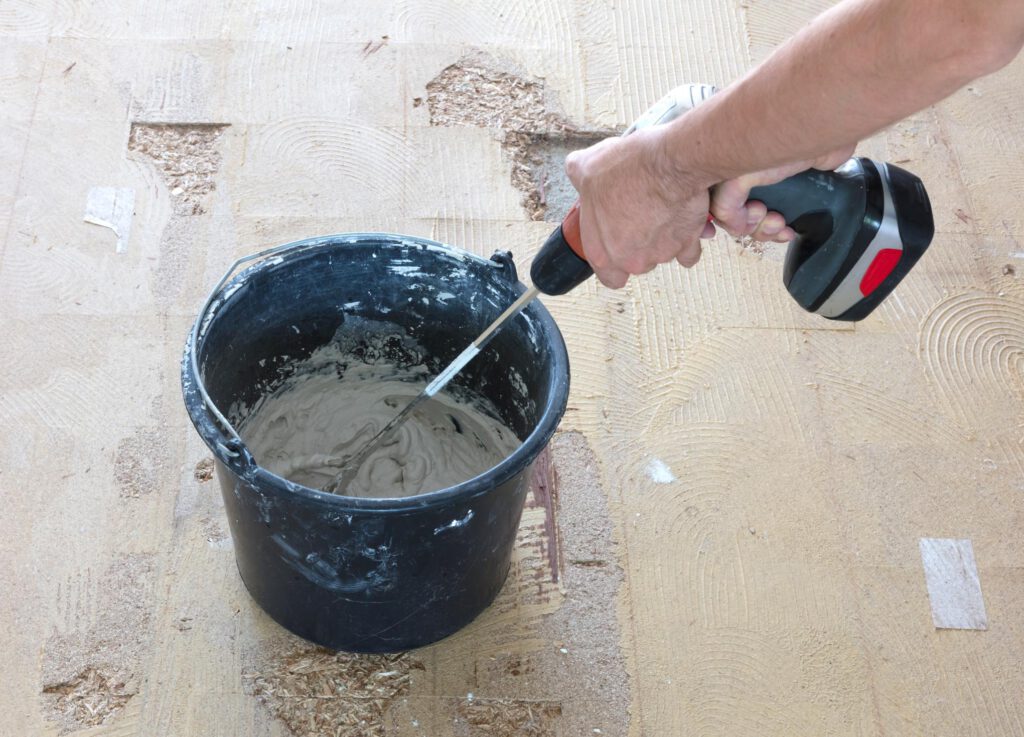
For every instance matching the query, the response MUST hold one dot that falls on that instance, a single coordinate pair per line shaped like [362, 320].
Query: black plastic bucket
[364, 574]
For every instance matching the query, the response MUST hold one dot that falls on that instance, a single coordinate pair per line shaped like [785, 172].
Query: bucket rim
[226, 448]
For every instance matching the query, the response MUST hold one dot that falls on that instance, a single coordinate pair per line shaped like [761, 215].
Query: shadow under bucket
[369, 574]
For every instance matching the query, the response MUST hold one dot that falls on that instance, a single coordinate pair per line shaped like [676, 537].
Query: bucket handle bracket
[508, 266]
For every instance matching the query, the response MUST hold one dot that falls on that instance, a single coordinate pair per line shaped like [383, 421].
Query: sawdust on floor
[506, 718]
[204, 470]
[485, 92]
[186, 155]
[138, 462]
[90, 673]
[315, 691]
[89, 698]
[188, 158]
[750, 245]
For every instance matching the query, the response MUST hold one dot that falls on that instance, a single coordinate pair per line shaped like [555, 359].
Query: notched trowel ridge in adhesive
[306, 428]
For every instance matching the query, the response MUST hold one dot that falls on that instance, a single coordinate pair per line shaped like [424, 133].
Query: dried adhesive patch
[486, 93]
[187, 156]
[506, 718]
[89, 698]
[318, 692]
[89, 673]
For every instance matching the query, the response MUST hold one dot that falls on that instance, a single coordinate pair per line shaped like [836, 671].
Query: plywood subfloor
[768, 582]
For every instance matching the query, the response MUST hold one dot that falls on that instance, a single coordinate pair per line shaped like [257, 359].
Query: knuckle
[573, 166]
[636, 264]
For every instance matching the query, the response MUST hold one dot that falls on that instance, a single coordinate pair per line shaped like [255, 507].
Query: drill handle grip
[560, 266]
[808, 192]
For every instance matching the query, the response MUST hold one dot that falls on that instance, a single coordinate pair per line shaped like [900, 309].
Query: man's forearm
[854, 70]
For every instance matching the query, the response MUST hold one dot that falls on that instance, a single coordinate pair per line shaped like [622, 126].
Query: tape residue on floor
[953, 584]
[112, 207]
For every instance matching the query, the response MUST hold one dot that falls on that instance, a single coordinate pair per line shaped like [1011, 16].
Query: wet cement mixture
[309, 426]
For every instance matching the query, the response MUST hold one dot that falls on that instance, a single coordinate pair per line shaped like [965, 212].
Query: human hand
[740, 216]
[638, 208]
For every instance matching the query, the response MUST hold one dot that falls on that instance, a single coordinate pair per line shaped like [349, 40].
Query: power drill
[860, 229]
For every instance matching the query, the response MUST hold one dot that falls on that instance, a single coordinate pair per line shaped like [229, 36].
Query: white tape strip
[112, 207]
[953, 584]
